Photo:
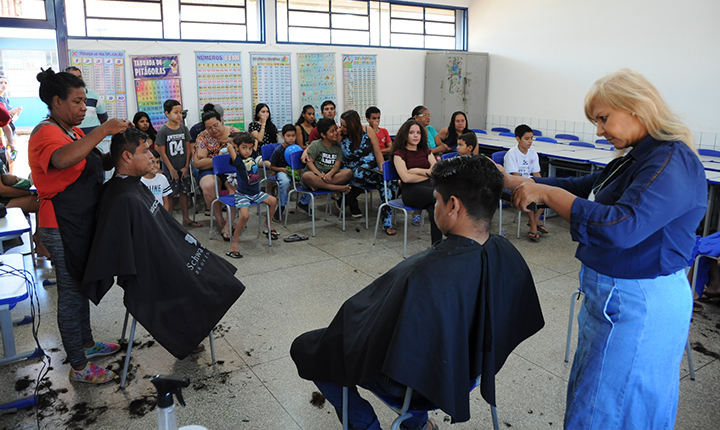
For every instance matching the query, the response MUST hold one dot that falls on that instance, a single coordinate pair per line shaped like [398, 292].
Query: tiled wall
[391, 122]
[582, 129]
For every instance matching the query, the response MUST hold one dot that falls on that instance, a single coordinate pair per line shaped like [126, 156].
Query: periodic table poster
[157, 78]
[360, 82]
[220, 83]
[104, 73]
[271, 84]
[317, 79]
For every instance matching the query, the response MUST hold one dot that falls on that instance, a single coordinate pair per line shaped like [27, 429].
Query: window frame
[461, 26]
[48, 23]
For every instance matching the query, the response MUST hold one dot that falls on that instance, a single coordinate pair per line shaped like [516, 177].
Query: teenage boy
[279, 165]
[173, 142]
[523, 161]
[372, 116]
[467, 142]
[327, 110]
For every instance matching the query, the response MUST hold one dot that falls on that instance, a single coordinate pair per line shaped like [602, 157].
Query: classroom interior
[543, 56]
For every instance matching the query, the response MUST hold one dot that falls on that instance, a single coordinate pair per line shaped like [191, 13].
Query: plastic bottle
[166, 387]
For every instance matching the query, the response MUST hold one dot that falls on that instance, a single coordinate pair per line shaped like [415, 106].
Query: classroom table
[13, 225]
[13, 289]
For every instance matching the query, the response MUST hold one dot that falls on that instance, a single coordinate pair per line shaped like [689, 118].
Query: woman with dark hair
[413, 162]
[447, 137]
[304, 126]
[67, 170]
[263, 129]
[196, 129]
[142, 123]
[361, 153]
[208, 144]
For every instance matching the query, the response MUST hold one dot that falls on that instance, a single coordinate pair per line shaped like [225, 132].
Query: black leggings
[420, 195]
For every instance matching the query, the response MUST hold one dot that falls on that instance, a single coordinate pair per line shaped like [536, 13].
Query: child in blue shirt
[279, 165]
[248, 190]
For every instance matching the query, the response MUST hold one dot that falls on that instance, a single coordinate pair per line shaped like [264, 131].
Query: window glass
[25, 9]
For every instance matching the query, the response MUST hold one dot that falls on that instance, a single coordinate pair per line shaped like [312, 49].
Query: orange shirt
[50, 181]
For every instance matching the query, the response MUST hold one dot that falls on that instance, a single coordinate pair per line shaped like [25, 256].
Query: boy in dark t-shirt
[279, 165]
[173, 142]
[248, 189]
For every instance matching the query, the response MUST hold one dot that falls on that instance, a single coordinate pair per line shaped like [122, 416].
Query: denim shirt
[647, 206]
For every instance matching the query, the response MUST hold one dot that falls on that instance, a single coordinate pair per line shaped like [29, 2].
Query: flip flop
[709, 297]
[192, 224]
[225, 236]
[273, 234]
[533, 236]
[233, 254]
[295, 238]
[207, 212]
[386, 230]
[541, 229]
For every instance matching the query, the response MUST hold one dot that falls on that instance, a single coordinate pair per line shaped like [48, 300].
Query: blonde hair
[628, 90]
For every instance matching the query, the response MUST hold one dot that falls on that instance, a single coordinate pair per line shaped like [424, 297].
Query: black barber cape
[434, 322]
[174, 286]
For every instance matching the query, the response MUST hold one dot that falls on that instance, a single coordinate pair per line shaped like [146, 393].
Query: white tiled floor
[295, 287]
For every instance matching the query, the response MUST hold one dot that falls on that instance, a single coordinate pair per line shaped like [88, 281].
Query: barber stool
[130, 343]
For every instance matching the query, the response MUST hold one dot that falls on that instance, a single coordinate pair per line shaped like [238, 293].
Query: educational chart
[317, 79]
[220, 83]
[360, 82]
[104, 73]
[157, 78]
[271, 84]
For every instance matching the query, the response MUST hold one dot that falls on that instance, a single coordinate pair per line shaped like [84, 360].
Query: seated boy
[466, 144]
[322, 170]
[372, 115]
[157, 183]
[279, 165]
[523, 161]
[248, 190]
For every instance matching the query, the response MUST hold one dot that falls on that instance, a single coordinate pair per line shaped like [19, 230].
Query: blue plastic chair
[507, 134]
[537, 132]
[709, 152]
[266, 152]
[501, 129]
[479, 130]
[297, 164]
[583, 144]
[222, 166]
[407, 408]
[566, 137]
[449, 155]
[499, 158]
[603, 141]
[546, 139]
[390, 174]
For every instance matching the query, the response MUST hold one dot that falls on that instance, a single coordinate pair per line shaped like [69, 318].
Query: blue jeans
[632, 334]
[360, 413]
[283, 180]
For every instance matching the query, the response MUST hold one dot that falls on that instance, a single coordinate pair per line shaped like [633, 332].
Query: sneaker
[355, 211]
[100, 349]
[304, 207]
[92, 374]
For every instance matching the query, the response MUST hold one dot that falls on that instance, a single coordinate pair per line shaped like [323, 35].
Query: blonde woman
[635, 223]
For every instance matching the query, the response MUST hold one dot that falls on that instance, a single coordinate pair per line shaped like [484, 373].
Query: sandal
[417, 220]
[233, 254]
[207, 212]
[533, 236]
[225, 236]
[697, 307]
[388, 229]
[273, 234]
[541, 229]
[709, 297]
[192, 224]
[295, 238]
[199, 348]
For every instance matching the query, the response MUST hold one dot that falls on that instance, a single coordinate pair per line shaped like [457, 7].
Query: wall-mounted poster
[104, 73]
[157, 78]
[272, 85]
[220, 83]
[317, 79]
[360, 82]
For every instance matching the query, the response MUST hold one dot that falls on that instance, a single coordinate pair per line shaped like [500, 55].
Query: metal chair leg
[496, 424]
[405, 235]
[212, 348]
[345, 408]
[129, 350]
[691, 367]
[122, 338]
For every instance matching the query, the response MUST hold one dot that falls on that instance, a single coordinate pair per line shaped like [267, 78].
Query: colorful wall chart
[157, 78]
[104, 73]
[317, 79]
[360, 82]
[220, 82]
[271, 84]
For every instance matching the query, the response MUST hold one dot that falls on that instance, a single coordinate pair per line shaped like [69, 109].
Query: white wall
[544, 55]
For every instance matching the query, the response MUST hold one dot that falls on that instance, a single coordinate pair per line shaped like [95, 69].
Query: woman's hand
[263, 116]
[527, 193]
[115, 126]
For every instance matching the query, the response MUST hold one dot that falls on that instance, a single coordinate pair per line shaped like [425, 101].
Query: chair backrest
[583, 144]
[604, 141]
[507, 130]
[537, 132]
[389, 171]
[221, 165]
[499, 157]
[295, 162]
[449, 155]
[566, 137]
[709, 152]
[267, 150]
[507, 134]
[546, 139]
[479, 130]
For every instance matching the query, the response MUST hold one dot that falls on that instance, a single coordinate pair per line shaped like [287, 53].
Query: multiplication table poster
[157, 78]
[272, 85]
[104, 73]
[360, 82]
[317, 79]
[220, 83]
